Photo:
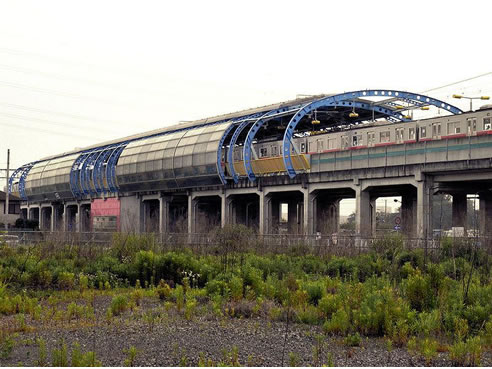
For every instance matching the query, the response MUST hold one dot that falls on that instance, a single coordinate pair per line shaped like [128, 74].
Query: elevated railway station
[303, 155]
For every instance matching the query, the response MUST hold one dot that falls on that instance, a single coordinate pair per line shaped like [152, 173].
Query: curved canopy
[196, 153]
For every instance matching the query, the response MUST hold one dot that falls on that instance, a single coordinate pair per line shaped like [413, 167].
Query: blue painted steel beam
[252, 133]
[75, 175]
[337, 100]
[22, 173]
[98, 173]
[111, 167]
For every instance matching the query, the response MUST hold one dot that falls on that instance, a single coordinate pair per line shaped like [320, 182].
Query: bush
[466, 353]
[66, 280]
[339, 323]
[419, 292]
[314, 291]
[352, 340]
[119, 304]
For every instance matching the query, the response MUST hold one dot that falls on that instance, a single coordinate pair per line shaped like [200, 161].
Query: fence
[270, 243]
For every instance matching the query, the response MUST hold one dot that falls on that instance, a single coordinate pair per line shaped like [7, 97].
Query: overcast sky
[77, 73]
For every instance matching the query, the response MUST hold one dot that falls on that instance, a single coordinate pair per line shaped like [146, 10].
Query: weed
[42, 353]
[163, 290]
[466, 353]
[59, 356]
[119, 304]
[131, 354]
[352, 340]
[7, 344]
[294, 359]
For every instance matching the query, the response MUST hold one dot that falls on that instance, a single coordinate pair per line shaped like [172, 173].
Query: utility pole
[7, 192]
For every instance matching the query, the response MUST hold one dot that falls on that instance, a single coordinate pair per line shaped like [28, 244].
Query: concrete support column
[362, 212]
[408, 212]
[191, 214]
[373, 218]
[64, 227]
[223, 210]
[78, 227]
[424, 208]
[309, 212]
[164, 214]
[485, 209]
[53, 216]
[261, 225]
[459, 210]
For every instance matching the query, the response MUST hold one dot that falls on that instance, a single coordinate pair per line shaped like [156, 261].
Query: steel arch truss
[234, 123]
[337, 100]
[20, 173]
[94, 171]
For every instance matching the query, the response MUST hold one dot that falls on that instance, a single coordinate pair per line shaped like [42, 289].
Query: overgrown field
[435, 310]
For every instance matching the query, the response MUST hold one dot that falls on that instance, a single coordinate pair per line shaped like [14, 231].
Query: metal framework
[93, 172]
[338, 100]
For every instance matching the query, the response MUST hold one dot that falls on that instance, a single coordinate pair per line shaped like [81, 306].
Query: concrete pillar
[293, 217]
[261, 225]
[424, 208]
[164, 214]
[362, 213]
[459, 210]
[64, 219]
[53, 216]
[485, 210]
[408, 212]
[373, 218]
[191, 214]
[309, 211]
[223, 210]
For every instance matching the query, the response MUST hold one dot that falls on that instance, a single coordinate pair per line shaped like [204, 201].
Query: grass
[422, 303]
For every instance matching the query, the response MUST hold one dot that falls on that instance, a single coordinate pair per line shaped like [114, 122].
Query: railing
[270, 243]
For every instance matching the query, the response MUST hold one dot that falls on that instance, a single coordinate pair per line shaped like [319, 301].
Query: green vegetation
[427, 302]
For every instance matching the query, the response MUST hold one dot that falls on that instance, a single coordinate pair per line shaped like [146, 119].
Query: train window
[371, 138]
[345, 142]
[303, 147]
[263, 152]
[332, 143]
[275, 150]
[357, 140]
[399, 134]
[319, 145]
[310, 147]
[487, 124]
[454, 127]
[384, 136]
[423, 132]
[471, 125]
[436, 130]
[411, 133]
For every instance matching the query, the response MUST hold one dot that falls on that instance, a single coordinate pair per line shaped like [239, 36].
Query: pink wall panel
[106, 207]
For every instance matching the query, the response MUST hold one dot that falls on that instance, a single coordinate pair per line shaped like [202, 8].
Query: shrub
[119, 304]
[466, 353]
[352, 340]
[329, 304]
[339, 323]
[308, 315]
[66, 280]
[418, 291]
[314, 291]
[163, 290]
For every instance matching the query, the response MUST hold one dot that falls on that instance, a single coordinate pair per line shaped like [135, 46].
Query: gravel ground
[173, 340]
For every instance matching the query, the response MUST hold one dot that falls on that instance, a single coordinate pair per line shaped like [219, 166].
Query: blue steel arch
[361, 105]
[252, 133]
[337, 100]
[111, 167]
[233, 122]
[98, 173]
[75, 175]
[22, 171]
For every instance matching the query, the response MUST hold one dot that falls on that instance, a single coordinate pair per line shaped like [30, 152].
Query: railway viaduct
[184, 178]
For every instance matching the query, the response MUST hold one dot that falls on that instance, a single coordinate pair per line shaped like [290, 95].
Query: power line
[74, 116]
[68, 94]
[61, 124]
[48, 131]
[458, 82]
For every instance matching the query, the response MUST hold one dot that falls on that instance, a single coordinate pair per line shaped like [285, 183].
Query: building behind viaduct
[303, 155]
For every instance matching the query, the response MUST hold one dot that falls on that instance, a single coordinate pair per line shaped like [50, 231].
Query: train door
[345, 142]
[399, 135]
[436, 131]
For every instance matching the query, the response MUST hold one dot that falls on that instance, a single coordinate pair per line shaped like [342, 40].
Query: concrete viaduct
[194, 177]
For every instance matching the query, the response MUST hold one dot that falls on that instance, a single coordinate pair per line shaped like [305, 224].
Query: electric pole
[7, 192]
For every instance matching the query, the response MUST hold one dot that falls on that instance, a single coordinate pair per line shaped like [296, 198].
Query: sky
[75, 73]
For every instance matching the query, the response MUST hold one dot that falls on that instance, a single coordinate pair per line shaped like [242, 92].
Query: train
[381, 133]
